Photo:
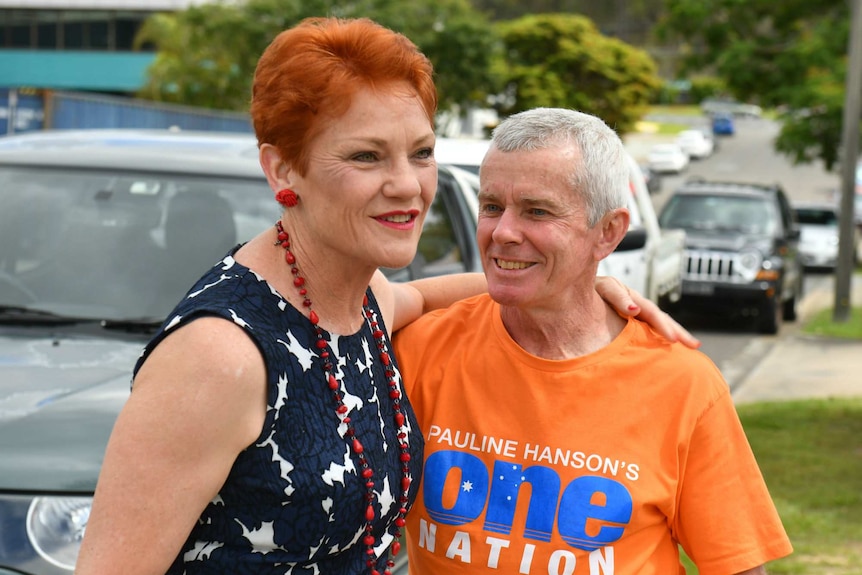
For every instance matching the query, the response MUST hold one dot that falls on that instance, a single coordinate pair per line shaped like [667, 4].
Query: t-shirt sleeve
[726, 519]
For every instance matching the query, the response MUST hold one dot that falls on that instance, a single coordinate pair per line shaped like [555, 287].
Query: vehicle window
[149, 236]
[439, 250]
[720, 214]
[817, 216]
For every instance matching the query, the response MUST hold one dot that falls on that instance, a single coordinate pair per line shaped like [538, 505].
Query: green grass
[810, 453]
[693, 110]
[822, 324]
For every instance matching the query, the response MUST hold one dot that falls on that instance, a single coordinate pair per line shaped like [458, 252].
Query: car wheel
[790, 311]
[769, 319]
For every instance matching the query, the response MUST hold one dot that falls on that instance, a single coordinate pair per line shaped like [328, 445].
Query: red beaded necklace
[341, 409]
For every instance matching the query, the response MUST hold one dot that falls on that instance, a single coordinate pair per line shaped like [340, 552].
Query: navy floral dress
[294, 501]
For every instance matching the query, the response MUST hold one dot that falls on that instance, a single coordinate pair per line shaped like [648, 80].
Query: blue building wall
[32, 110]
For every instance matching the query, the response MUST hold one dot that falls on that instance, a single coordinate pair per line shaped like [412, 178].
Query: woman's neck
[335, 290]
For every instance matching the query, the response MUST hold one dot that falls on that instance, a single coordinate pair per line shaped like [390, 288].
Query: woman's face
[370, 181]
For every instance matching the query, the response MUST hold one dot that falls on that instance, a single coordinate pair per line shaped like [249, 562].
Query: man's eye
[538, 212]
[490, 208]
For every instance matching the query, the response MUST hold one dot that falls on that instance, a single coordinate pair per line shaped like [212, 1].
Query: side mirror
[633, 240]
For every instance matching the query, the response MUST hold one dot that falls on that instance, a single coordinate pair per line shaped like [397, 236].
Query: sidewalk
[803, 366]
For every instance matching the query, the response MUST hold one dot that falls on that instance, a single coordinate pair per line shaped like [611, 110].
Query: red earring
[287, 198]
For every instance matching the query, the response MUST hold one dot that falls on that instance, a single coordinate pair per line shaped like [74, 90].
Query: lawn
[810, 453]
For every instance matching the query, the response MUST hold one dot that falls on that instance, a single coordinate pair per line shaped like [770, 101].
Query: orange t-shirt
[601, 464]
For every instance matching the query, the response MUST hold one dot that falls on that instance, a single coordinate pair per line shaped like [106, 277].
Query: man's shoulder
[664, 350]
[461, 315]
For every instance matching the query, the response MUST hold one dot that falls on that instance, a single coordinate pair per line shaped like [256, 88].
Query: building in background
[56, 53]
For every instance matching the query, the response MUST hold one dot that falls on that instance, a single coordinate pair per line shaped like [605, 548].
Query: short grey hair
[601, 176]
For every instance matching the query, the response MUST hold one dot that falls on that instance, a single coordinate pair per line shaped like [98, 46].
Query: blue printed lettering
[577, 508]
[471, 494]
[591, 512]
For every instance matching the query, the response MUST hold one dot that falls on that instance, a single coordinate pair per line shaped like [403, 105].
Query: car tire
[791, 305]
[771, 314]
[789, 311]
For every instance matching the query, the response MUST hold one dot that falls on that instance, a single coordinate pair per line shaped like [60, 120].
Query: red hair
[312, 71]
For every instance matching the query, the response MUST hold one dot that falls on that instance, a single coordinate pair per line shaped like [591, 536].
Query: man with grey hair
[562, 438]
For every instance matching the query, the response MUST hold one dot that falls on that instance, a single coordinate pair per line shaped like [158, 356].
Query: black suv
[741, 250]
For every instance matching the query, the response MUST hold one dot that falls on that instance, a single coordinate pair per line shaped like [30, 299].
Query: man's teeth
[509, 265]
[400, 219]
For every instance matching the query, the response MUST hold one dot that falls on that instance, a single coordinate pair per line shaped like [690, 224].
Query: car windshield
[114, 245]
[719, 213]
[817, 216]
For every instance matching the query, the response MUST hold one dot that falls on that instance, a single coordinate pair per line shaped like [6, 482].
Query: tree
[789, 54]
[207, 53]
[561, 60]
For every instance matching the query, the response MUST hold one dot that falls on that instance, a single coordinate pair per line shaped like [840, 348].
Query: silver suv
[101, 233]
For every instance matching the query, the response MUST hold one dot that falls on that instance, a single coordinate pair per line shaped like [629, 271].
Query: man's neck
[564, 332]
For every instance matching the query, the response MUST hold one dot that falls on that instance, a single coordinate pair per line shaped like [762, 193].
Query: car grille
[702, 265]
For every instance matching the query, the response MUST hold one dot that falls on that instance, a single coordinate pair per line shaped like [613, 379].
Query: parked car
[819, 235]
[742, 250]
[101, 232]
[667, 158]
[722, 124]
[649, 259]
[653, 179]
[465, 153]
[695, 144]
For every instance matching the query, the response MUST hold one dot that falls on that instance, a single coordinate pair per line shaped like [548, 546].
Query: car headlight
[749, 263]
[55, 527]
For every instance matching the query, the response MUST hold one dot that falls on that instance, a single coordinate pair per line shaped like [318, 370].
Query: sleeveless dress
[294, 501]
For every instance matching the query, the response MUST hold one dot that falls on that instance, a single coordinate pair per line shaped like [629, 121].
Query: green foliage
[561, 60]
[703, 87]
[207, 54]
[790, 54]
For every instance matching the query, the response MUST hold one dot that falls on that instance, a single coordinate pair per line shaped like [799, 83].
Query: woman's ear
[613, 229]
[276, 170]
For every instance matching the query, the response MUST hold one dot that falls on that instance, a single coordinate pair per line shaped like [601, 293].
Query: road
[749, 155]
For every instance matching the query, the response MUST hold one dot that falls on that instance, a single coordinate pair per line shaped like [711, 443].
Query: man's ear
[276, 170]
[613, 229]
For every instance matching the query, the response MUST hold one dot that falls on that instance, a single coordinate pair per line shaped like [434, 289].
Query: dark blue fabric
[294, 501]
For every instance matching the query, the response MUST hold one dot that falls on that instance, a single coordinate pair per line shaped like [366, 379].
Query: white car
[666, 158]
[819, 235]
[464, 153]
[695, 143]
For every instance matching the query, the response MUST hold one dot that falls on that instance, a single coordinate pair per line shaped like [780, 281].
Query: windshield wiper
[143, 324]
[24, 314]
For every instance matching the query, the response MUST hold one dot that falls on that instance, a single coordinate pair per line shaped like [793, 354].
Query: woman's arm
[403, 303]
[632, 303]
[198, 401]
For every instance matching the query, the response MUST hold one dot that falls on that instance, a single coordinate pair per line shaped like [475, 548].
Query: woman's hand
[631, 303]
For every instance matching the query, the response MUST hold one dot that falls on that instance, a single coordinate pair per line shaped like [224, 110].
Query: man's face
[537, 249]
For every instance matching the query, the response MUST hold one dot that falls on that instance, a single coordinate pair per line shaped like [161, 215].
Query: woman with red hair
[267, 431]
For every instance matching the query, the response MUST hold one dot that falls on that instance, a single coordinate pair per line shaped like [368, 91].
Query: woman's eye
[365, 157]
[425, 153]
